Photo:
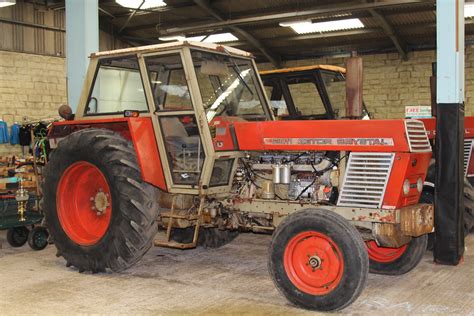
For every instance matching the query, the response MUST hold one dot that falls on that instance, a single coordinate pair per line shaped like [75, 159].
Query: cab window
[275, 96]
[335, 84]
[168, 82]
[183, 148]
[117, 87]
[306, 97]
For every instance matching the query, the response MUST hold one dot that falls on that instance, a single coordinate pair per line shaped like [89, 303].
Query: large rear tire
[427, 196]
[318, 260]
[98, 210]
[396, 261]
[468, 207]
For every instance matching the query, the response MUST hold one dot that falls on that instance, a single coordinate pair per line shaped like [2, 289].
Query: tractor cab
[192, 92]
[316, 92]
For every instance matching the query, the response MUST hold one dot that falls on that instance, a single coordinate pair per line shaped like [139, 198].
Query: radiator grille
[365, 180]
[467, 153]
[417, 138]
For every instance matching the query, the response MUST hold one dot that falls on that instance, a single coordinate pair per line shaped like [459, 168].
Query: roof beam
[390, 32]
[413, 28]
[292, 16]
[360, 14]
[130, 17]
[33, 25]
[274, 59]
[106, 13]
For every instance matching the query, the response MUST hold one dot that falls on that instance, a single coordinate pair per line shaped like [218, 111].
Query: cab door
[175, 122]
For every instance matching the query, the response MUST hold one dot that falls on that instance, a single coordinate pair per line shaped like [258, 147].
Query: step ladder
[171, 215]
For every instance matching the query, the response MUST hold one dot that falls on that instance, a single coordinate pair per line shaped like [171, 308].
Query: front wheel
[396, 261]
[318, 260]
[98, 210]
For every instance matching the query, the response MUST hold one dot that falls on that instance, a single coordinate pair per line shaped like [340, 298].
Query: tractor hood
[342, 135]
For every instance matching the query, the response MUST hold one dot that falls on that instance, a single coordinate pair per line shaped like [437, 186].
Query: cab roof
[170, 46]
[304, 68]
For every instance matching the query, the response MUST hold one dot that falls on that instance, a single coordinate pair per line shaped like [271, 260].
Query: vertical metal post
[82, 39]
[449, 198]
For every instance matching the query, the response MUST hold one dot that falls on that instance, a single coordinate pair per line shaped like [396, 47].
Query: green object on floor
[9, 217]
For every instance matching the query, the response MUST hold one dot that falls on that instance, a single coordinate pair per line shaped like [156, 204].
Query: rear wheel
[318, 260]
[468, 207]
[17, 236]
[98, 210]
[396, 261]
[427, 196]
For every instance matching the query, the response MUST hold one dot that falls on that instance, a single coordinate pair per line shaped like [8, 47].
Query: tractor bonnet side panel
[341, 135]
[430, 126]
[406, 166]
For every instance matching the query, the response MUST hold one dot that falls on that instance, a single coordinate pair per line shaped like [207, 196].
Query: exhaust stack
[354, 87]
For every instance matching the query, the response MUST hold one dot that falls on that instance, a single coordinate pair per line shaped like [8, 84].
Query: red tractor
[181, 136]
[318, 92]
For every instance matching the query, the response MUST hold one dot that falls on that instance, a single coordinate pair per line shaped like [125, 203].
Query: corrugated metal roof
[412, 18]
[413, 23]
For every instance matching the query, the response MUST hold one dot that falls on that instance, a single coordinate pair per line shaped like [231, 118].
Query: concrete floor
[229, 280]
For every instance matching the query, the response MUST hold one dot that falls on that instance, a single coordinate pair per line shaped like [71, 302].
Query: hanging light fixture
[305, 27]
[135, 4]
[6, 3]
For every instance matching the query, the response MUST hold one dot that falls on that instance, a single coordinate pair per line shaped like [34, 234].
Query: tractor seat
[179, 143]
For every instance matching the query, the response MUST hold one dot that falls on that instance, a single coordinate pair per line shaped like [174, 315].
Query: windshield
[228, 86]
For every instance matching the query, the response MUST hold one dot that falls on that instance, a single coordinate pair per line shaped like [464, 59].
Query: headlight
[406, 187]
[419, 184]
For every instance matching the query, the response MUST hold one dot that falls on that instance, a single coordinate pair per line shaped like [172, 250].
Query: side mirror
[65, 112]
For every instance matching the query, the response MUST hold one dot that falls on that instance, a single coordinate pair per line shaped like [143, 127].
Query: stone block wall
[31, 87]
[390, 84]
[34, 86]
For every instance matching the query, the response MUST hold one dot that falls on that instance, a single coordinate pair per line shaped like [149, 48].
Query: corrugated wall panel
[35, 40]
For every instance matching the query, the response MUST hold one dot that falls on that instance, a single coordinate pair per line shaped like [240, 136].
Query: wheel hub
[100, 202]
[314, 262]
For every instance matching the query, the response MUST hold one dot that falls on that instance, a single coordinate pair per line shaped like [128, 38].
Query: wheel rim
[40, 239]
[84, 203]
[313, 263]
[384, 254]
